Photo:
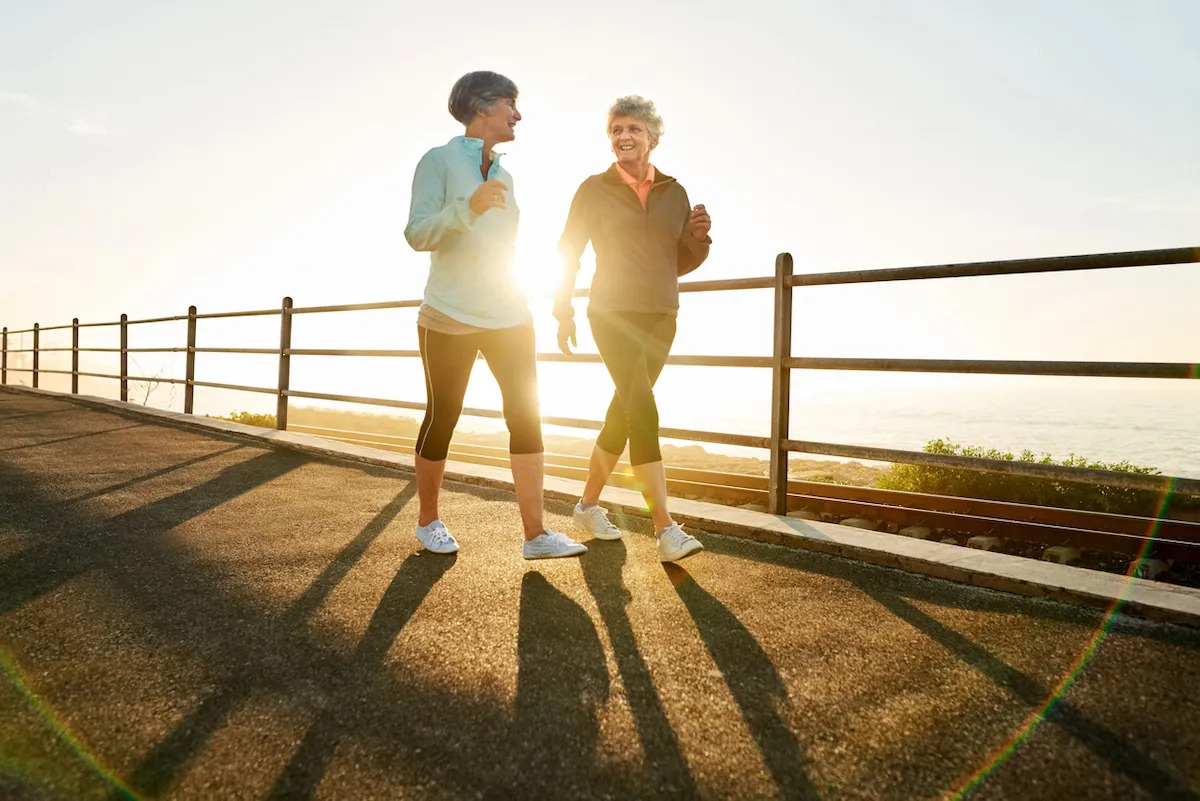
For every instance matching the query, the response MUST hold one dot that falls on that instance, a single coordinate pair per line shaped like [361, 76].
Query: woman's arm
[430, 220]
[570, 246]
[692, 250]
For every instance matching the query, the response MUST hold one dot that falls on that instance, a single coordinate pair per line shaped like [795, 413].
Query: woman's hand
[566, 333]
[700, 222]
[489, 195]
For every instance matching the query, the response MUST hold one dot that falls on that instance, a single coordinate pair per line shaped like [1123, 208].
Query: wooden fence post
[35, 355]
[189, 389]
[4, 356]
[75, 356]
[285, 364]
[124, 358]
[781, 386]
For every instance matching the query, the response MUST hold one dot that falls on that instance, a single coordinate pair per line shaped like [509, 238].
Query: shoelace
[598, 515]
[608, 524]
[439, 535]
[676, 536]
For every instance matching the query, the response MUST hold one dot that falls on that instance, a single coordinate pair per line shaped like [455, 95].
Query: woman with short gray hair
[645, 235]
[464, 214]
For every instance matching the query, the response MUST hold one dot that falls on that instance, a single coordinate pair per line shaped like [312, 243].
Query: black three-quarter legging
[634, 347]
[448, 359]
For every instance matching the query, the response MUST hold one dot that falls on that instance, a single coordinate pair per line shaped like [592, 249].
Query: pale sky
[159, 154]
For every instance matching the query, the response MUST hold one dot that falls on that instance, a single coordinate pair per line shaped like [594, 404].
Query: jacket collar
[611, 176]
[473, 146]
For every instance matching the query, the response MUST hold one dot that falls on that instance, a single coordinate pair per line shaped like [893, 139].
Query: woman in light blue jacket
[464, 213]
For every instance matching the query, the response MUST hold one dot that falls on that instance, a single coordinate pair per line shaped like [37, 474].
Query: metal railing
[781, 363]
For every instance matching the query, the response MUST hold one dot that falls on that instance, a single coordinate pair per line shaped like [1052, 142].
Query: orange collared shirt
[642, 189]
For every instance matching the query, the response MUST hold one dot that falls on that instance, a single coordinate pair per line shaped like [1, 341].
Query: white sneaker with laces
[437, 538]
[550, 545]
[674, 544]
[594, 521]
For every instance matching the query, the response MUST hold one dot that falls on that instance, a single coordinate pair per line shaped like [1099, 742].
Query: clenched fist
[700, 223]
[489, 195]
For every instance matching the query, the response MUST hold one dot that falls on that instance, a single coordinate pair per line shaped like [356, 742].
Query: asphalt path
[192, 615]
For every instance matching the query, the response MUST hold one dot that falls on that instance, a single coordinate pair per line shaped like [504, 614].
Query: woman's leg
[600, 467]
[634, 348]
[511, 356]
[615, 434]
[621, 345]
[447, 359]
[660, 333]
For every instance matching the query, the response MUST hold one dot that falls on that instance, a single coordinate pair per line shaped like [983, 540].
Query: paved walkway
[187, 615]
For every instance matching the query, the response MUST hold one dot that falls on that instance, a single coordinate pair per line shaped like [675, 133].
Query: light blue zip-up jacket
[471, 256]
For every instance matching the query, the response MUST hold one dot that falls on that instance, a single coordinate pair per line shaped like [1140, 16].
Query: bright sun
[537, 266]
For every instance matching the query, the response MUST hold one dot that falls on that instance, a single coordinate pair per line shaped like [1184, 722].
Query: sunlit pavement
[184, 615]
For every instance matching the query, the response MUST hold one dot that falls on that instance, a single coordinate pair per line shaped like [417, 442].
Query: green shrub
[1025, 489]
[248, 418]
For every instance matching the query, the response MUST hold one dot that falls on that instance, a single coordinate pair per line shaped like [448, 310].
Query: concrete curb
[1134, 596]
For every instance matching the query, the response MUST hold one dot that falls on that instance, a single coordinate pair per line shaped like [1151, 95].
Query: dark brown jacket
[640, 253]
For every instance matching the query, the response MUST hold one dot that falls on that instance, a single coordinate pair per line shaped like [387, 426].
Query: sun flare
[537, 267]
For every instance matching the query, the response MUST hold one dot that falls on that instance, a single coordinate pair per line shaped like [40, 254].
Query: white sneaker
[674, 544]
[437, 538]
[595, 522]
[550, 545]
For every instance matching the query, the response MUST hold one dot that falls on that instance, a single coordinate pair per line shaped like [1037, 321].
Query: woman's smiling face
[501, 120]
[630, 141]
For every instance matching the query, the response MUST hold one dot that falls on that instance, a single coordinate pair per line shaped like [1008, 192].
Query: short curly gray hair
[643, 109]
[479, 91]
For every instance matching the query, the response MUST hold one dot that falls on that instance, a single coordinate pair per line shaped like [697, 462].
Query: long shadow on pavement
[175, 752]
[602, 572]
[752, 679]
[68, 439]
[133, 482]
[1106, 744]
[58, 557]
[459, 740]
[4, 418]
[413, 582]
[562, 683]
[935, 591]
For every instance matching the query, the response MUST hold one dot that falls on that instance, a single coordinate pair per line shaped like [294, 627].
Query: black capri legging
[448, 359]
[634, 347]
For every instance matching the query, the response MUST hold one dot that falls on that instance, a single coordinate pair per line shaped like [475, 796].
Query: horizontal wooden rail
[248, 313]
[1128, 544]
[352, 352]
[366, 401]
[238, 387]
[577, 358]
[998, 367]
[1097, 261]
[391, 304]
[172, 319]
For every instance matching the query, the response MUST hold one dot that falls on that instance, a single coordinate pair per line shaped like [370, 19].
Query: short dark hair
[479, 91]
